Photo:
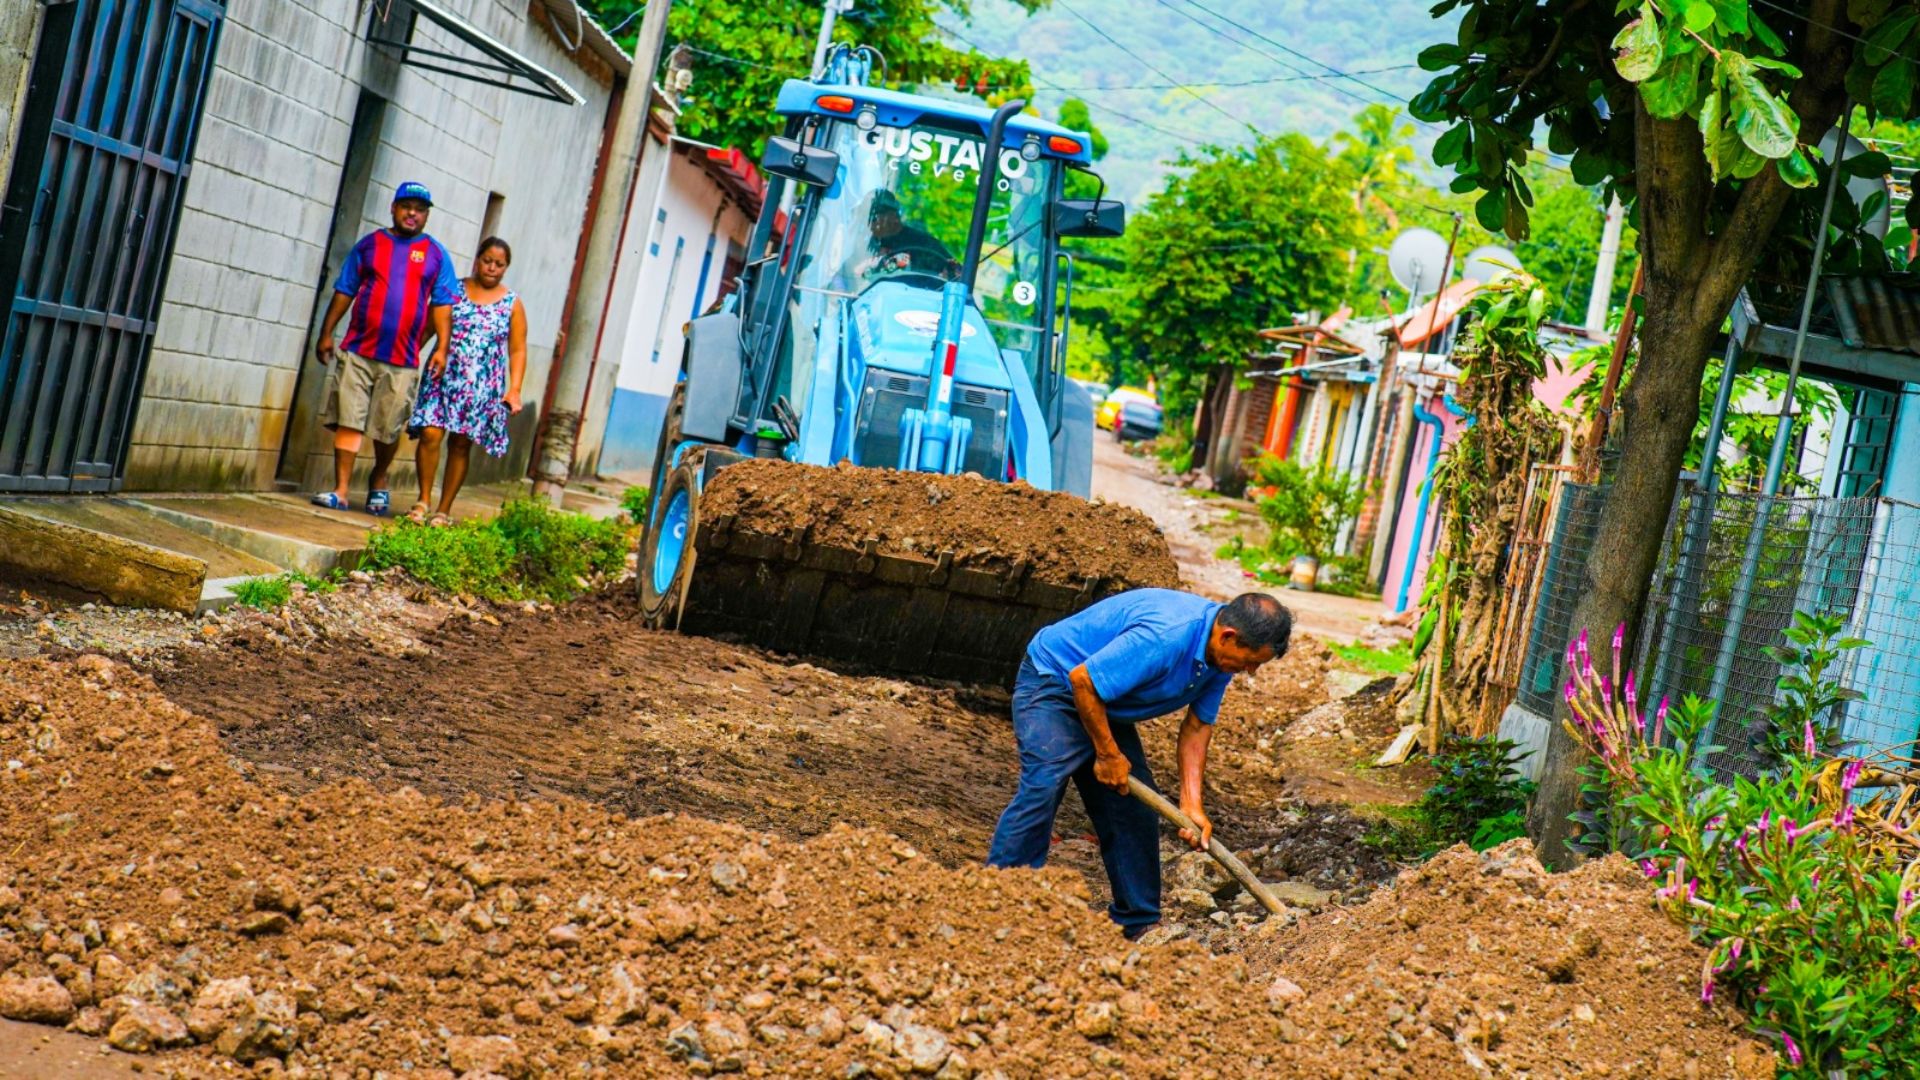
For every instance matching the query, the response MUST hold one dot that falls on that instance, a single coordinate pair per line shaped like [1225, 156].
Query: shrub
[1304, 506]
[1802, 889]
[272, 592]
[1478, 799]
[528, 551]
[634, 502]
[1174, 448]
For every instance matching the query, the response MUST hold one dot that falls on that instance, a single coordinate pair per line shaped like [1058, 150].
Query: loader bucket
[959, 608]
[891, 613]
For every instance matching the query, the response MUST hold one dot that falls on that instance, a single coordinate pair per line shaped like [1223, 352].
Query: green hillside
[1253, 82]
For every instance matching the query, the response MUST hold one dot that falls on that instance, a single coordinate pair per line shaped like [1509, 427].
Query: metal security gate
[106, 138]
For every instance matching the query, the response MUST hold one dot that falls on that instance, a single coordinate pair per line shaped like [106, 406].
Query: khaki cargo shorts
[369, 396]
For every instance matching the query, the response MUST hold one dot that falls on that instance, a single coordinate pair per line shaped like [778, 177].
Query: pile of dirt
[984, 523]
[1487, 962]
[159, 898]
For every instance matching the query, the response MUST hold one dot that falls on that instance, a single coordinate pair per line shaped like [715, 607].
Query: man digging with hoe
[1084, 685]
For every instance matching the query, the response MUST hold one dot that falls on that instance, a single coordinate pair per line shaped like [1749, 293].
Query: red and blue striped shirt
[394, 280]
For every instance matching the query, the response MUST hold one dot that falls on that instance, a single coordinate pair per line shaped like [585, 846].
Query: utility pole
[574, 363]
[1598, 301]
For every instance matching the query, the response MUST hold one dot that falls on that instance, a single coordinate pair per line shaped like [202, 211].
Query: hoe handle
[1215, 848]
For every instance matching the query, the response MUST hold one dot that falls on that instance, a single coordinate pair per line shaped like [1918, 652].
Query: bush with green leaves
[1478, 798]
[528, 551]
[267, 593]
[634, 502]
[1803, 888]
[1305, 506]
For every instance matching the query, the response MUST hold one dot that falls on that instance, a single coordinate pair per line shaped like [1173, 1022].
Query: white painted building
[673, 268]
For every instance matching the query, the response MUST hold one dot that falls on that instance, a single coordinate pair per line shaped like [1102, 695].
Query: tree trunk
[1657, 418]
[1691, 281]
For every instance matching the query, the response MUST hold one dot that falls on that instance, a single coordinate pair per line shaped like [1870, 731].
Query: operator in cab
[1086, 684]
[894, 246]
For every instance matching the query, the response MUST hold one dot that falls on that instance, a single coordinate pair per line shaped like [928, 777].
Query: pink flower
[1793, 1048]
[1619, 635]
[1571, 695]
[1810, 745]
[1706, 991]
[1851, 777]
[1660, 720]
[1648, 868]
[1844, 818]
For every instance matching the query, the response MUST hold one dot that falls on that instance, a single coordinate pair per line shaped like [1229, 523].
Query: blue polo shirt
[1145, 650]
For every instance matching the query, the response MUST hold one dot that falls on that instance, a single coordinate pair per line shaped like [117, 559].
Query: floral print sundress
[466, 398]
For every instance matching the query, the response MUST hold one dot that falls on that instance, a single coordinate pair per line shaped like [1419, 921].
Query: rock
[262, 923]
[154, 986]
[564, 936]
[219, 1002]
[1583, 1013]
[684, 1042]
[266, 1028]
[90, 1022]
[1284, 991]
[728, 876]
[1095, 1020]
[277, 893]
[924, 1049]
[1299, 894]
[757, 1002]
[956, 1068]
[110, 973]
[144, 1028]
[495, 1054]
[1197, 870]
[1196, 900]
[9, 899]
[623, 998]
[39, 1000]
[833, 1027]
[725, 1038]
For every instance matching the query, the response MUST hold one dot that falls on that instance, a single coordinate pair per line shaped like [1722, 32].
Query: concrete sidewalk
[185, 551]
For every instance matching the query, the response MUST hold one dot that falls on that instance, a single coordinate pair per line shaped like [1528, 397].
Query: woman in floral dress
[468, 399]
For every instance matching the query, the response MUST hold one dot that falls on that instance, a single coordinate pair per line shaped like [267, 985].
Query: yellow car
[1109, 409]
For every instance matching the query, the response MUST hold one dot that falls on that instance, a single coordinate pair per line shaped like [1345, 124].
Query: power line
[1143, 62]
[1244, 82]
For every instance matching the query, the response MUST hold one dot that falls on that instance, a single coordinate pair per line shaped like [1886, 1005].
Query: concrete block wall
[233, 350]
[19, 27]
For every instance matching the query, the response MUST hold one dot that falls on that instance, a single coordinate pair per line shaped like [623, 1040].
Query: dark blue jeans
[1055, 749]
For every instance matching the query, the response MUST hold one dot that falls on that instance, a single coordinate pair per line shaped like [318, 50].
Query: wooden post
[1603, 415]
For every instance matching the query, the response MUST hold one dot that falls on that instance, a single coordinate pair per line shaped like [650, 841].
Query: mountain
[1272, 72]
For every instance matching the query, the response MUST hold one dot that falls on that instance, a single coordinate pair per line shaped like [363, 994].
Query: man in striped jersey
[396, 281]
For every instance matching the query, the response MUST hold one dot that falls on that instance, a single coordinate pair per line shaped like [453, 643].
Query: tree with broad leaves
[1703, 116]
[747, 48]
[1239, 239]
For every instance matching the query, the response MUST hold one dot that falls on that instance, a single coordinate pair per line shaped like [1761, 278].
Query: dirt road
[1195, 528]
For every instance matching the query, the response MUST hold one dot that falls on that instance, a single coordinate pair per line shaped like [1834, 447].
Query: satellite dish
[1488, 263]
[1416, 259]
[1859, 188]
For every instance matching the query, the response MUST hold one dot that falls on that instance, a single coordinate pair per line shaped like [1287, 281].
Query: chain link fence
[1733, 570]
[1561, 580]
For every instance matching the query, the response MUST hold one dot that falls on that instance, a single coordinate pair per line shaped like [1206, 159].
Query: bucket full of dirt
[915, 573]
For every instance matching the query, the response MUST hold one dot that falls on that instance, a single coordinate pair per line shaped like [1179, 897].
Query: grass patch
[267, 593]
[529, 551]
[1394, 661]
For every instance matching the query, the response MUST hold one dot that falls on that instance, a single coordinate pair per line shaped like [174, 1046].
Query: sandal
[418, 515]
[440, 521]
[329, 500]
[379, 503]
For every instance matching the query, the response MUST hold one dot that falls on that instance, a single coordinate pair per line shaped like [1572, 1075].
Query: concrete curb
[311, 558]
[123, 572]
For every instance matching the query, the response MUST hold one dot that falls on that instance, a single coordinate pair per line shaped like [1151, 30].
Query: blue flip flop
[379, 503]
[329, 500]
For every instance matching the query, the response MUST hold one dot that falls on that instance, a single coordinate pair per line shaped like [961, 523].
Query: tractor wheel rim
[673, 460]
[672, 543]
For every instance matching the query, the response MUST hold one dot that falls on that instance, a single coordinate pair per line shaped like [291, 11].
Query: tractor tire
[666, 552]
[664, 452]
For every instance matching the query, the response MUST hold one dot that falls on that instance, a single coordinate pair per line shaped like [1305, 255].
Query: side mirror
[1091, 218]
[790, 159]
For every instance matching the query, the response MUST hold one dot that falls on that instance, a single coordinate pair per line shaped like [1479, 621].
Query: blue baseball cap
[413, 189]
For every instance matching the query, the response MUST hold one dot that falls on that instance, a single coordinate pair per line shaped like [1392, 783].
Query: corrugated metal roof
[1877, 312]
